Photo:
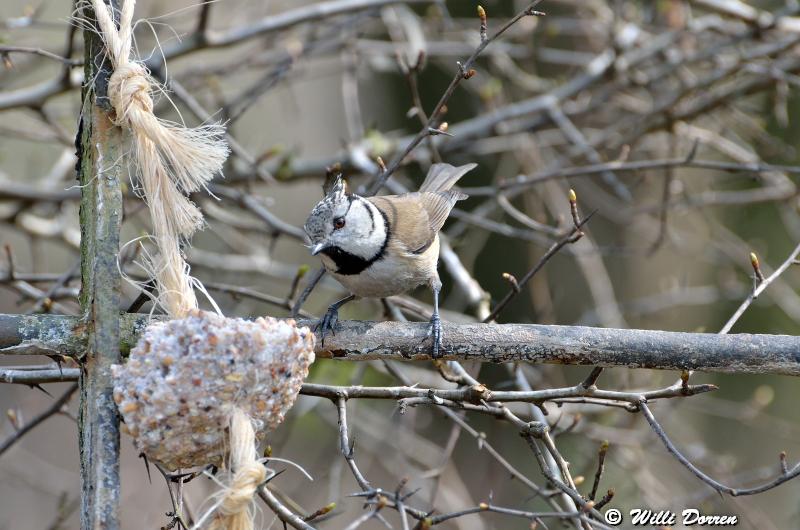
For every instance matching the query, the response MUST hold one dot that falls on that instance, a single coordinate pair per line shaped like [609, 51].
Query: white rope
[235, 509]
[173, 160]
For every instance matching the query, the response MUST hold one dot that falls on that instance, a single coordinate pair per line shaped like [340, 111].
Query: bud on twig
[605, 500]
[441, 130]
[13, 418]
[573, 208]
[47, 304]
[325, 510]
[756, 268]
[302, 270]
[685, 379]
[482, 16]
[510, 278]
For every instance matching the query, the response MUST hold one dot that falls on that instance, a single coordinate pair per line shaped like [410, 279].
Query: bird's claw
[327, 324]
[435, 331]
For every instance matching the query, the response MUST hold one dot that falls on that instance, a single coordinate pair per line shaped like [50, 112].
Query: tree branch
[38, 376]
[100, 145]
[786, 474]
[533, 343]
[54, 408]
[763, 284]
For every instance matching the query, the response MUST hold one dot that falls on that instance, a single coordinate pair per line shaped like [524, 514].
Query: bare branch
[464, 72]
[534, 343]
[285, 515]
[55, 408]
[4, 49]
[786, 473]
[760, 289]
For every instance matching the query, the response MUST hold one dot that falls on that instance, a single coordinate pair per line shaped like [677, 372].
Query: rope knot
[129, 91]
[236, 505]
[239, 496]
[173, 160]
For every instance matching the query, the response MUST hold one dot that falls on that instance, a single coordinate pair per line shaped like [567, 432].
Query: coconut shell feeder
[176, 391]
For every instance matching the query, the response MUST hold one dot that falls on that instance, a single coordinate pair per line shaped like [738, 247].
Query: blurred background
[705, 91]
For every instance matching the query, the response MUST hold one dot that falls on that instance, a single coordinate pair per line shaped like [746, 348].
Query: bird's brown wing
[438, 205]
[416, 218]
[409, 221]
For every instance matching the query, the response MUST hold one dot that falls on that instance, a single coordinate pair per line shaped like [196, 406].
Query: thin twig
[53, 409]
[601, 459]
[346, 447]
[4, 49]
[760, 289]
[285, 515]
[571, 237]
[464, 72]
[786, 474]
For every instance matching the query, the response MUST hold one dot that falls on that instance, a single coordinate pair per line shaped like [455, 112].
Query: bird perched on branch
[387, 245]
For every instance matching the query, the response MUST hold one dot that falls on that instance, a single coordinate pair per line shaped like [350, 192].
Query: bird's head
[344, 223]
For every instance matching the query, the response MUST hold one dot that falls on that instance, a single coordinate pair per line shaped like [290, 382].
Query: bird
[384, 245]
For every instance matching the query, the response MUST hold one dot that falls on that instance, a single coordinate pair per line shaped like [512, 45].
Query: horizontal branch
[476, 397]
[271, 23]
[38, 376]
[533, 343]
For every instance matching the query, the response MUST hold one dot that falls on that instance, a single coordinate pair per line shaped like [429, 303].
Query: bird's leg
[328, 322]
[435, 326]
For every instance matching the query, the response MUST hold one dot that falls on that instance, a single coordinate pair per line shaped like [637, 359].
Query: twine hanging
[235, 509]
[174, 161]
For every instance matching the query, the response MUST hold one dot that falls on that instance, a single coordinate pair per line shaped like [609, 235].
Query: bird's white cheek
[368, 244]
[340, 239]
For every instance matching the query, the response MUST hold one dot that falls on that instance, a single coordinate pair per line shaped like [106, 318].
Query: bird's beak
[316, 249]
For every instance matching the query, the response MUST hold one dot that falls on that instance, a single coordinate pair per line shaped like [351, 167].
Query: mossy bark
[531, 343]
[100, 171]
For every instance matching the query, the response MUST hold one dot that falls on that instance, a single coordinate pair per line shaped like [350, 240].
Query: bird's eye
[338, 223]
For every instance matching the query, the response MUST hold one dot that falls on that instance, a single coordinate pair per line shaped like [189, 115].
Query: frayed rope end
[235, 510]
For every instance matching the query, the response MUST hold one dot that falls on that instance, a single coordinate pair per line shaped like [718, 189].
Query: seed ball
[181, 380]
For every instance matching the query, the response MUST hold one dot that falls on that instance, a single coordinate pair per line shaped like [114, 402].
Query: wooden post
[101, 168]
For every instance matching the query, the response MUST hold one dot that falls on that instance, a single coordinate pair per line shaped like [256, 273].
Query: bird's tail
[442, 177]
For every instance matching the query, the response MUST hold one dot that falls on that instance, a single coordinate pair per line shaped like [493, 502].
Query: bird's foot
[435, 331]
[327, 324]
